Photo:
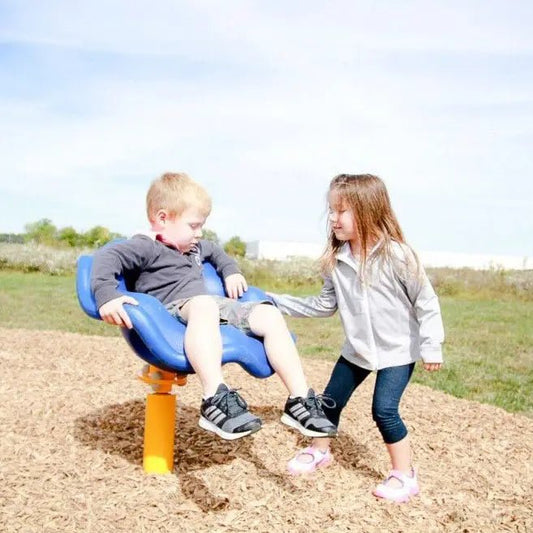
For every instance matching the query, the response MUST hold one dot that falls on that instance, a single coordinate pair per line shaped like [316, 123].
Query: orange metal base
[160, 420]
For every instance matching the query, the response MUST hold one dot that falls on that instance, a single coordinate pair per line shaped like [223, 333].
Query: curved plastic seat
[157, 337]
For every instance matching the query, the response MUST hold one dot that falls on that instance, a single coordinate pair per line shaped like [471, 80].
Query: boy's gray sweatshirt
[392, 319]
[151, 267]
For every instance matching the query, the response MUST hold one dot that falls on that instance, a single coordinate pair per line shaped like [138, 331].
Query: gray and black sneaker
[307, 416]
[227, 415]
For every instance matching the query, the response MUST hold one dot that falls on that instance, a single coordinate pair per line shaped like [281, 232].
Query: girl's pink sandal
[409, 487]
[318, 460]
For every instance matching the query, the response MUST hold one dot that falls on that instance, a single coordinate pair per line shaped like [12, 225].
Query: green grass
[488, 350]
[39, 301]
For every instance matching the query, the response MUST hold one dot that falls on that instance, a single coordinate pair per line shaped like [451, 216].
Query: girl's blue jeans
[390, 384]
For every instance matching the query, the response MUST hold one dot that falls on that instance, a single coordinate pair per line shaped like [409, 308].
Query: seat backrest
[158, 338]
[86, 299]
[83, 286]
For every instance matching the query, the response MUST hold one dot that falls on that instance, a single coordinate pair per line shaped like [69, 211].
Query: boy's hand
[235, 285]
[112, 312]
[431, 367]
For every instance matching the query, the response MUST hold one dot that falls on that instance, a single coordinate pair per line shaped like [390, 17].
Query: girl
[390, 315]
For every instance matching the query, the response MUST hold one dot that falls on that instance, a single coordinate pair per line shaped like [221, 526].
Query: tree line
[44, 232]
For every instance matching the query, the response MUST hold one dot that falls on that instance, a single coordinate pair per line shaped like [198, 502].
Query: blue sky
[263, 103]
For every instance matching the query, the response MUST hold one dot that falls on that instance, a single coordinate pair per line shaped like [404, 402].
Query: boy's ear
[161, 216]
[159, 219]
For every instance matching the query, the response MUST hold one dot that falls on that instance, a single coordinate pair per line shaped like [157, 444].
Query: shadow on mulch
[118, 430]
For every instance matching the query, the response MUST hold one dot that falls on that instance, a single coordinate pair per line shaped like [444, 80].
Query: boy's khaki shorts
[231, 311]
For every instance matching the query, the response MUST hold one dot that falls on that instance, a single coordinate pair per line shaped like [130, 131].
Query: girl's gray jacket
[390, 318]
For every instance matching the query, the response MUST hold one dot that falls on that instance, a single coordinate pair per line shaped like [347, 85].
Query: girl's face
[341, 218]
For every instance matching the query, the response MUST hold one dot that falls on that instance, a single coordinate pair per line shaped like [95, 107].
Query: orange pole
[160, 420]
[159, 424]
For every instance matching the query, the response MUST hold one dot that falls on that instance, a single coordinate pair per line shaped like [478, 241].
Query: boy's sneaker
[307, 416]
[227, 415]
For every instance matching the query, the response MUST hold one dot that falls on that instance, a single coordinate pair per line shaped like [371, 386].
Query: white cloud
[264, 103]
[278, 29]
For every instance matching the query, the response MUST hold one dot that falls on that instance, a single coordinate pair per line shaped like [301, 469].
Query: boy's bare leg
[203, 343]
[266, 321]
[302, 411]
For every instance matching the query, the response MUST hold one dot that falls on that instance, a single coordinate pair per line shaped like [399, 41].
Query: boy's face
[181, 231]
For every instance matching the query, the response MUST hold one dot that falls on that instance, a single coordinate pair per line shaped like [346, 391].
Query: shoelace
[315, 403]
[230, 401]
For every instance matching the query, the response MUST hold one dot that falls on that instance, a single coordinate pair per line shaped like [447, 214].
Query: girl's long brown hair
[367, 198]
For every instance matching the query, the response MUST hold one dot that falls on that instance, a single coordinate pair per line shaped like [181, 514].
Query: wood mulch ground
[71, 422]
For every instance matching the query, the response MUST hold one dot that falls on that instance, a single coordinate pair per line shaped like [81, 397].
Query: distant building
[282, 250]
[288, 250]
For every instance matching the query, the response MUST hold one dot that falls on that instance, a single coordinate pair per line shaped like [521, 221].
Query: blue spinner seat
[157, 337]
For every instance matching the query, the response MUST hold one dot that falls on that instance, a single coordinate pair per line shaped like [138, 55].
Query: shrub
[301, 274]
[235, 247]
[39, 258]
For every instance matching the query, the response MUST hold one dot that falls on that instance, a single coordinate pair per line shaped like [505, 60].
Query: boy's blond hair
[175, 192]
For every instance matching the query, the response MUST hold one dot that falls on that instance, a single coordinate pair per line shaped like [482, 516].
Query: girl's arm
[427, 309]
[429, 317]
[323, 305]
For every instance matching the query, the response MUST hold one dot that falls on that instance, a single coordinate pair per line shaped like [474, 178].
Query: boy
[168, 265]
